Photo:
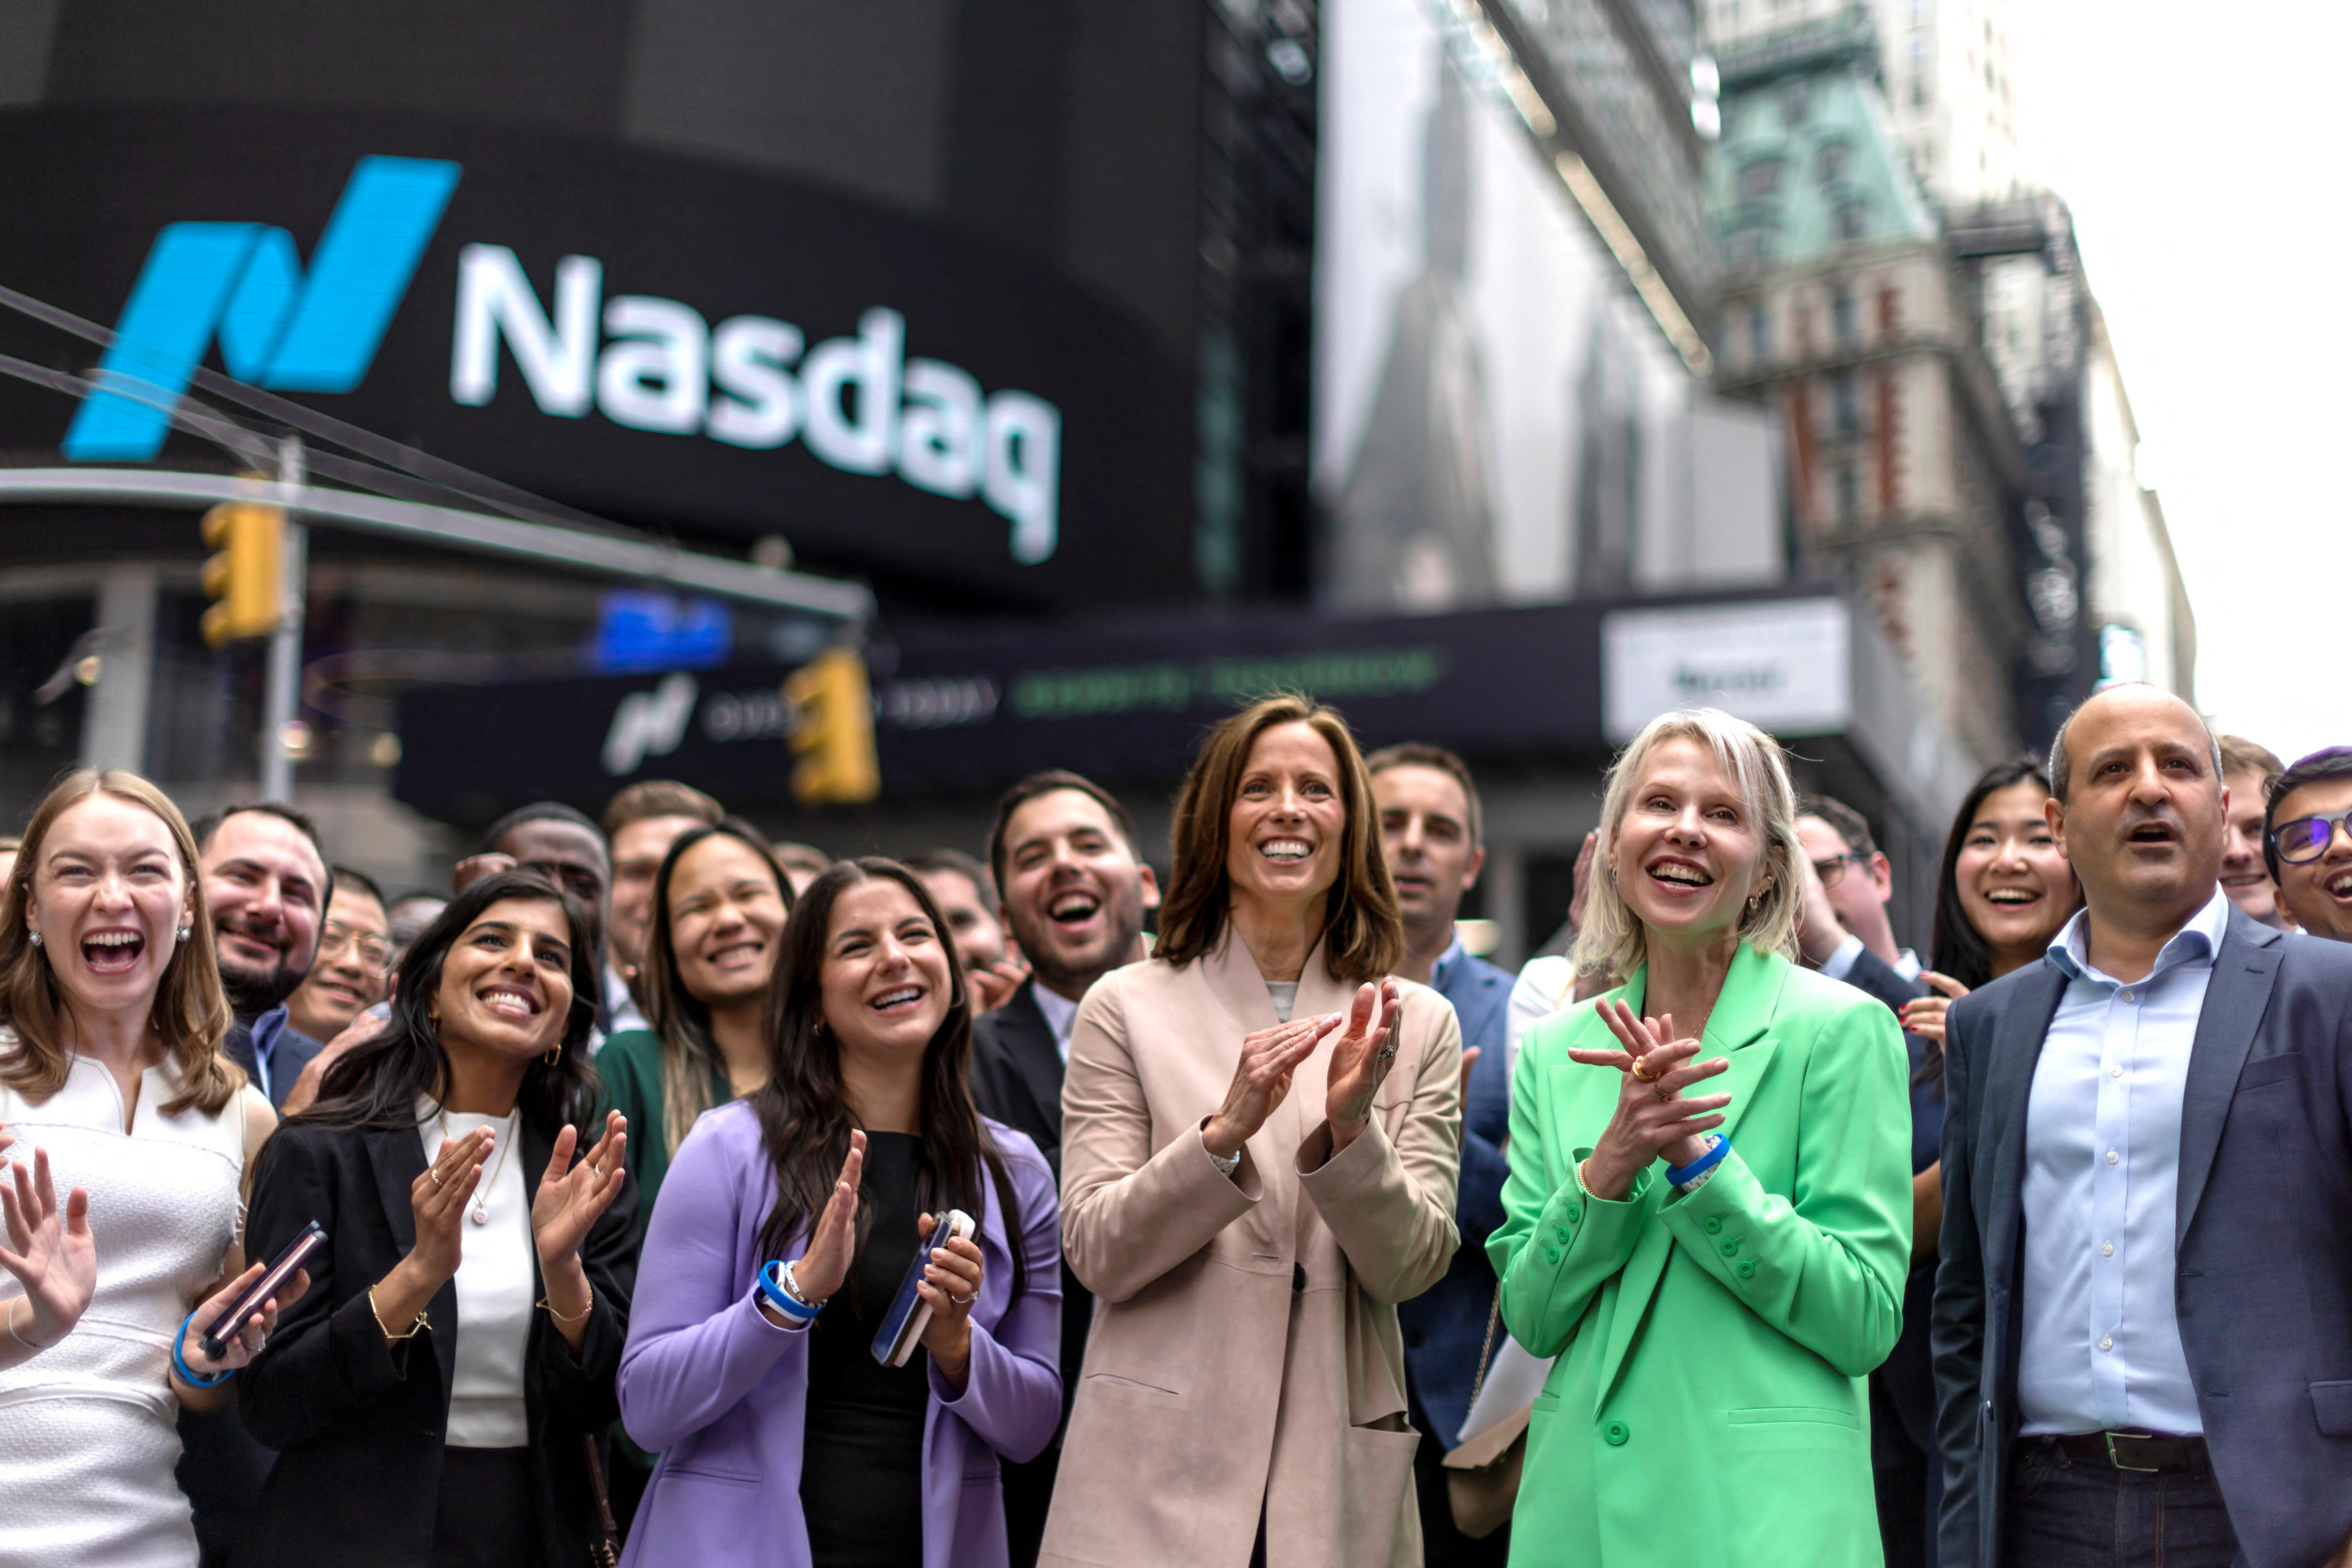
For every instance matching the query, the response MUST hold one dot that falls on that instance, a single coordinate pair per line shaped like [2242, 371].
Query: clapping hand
[821, 1269]
[1262, 1081]
[51, 1254]
[1360, 1059]
[571, 1197]
[1651, 1117]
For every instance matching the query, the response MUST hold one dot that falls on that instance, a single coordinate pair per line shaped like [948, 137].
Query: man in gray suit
[2143, 1320]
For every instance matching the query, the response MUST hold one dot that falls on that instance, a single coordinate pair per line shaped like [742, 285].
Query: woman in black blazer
[465, 1321]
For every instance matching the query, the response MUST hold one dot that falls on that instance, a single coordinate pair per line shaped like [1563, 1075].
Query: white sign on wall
[1783, 665]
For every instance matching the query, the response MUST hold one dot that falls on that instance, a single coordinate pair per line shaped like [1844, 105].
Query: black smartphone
[909, 1314]
[214, 1338]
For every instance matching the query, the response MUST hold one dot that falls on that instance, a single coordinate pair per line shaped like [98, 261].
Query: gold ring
[434, 1172]
[1666, 1094]
[1645, 1077]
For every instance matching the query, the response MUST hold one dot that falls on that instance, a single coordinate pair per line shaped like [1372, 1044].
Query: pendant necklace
[481, 1213]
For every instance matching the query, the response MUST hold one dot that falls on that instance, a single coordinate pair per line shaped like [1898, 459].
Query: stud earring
[184, 932]
[35, 936]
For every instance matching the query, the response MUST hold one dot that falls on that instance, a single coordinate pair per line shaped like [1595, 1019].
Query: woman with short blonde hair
[1261, 1133]
[1713, 1311]
[111, 1078]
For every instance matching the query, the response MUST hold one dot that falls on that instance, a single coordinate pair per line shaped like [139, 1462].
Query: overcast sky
[2202, 149]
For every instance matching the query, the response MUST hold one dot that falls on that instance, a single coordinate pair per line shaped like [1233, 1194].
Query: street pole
[281, 697]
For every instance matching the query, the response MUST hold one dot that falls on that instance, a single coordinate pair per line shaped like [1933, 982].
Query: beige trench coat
[1244, 1347]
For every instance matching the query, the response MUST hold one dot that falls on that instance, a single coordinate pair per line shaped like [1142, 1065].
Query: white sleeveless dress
[87, 1441]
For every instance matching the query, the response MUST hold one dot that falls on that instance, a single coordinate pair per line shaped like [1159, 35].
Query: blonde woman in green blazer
[1709, 1215]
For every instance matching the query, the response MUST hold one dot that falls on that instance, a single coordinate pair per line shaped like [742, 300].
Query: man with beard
[1074, 892]
[267, 882]
[2143, 1315]
[1432, 832]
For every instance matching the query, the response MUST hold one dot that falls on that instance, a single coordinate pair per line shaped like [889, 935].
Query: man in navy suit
[2143, 1319]
[1431, 829]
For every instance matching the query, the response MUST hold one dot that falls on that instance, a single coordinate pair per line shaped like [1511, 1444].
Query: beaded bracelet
[187, 1373]
[782, 1291]
[1683, 1176]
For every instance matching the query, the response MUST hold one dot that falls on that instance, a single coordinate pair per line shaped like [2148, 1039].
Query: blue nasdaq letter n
[242, 283]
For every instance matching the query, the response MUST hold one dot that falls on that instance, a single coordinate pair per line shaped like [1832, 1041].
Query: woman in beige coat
[1258, 1153]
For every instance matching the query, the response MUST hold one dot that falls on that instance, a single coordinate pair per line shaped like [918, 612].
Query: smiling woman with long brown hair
[1260, 1138]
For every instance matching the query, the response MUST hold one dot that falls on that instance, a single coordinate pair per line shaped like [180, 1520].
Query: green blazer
[1709, 1402]
[630, 1065]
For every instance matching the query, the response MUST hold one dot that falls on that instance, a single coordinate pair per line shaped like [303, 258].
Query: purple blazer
[721, 1392]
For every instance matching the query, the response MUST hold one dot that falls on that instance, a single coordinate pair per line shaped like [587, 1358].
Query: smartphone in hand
[224, 1328]
[909, 1314]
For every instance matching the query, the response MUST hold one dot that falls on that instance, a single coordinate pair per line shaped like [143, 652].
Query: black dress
[862, 1461]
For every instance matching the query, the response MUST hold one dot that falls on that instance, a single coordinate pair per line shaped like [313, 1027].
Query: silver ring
[965, 1300]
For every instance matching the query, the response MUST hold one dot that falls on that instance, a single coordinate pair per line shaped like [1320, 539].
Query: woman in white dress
[111, 1081]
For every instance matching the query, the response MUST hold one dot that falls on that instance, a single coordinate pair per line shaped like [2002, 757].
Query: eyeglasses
[374, 950]
[2308, 838]
[1832, 871]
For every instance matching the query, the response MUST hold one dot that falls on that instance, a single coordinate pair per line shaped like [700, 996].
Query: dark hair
[1364, 935]
[1845, 819]
[345, 876]
[1045, 783]
[538, 811]
[2330, 762]
[651, 797]
[376, 1085]
[689, 1053]
[805, 1118]
[930, 862]
[1420, 754]
[1957, 949]
[206, 826]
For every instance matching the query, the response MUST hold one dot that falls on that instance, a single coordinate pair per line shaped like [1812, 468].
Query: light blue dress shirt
[2101, 1350]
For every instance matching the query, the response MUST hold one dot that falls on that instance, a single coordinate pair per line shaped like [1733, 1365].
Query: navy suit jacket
[2263, 1287]
[1445, 1325]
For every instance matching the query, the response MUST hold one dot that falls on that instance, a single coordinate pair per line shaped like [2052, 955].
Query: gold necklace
[481, 1213]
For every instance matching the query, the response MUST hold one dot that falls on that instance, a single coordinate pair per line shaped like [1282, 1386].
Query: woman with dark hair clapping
[786, 1225]
[430, 1394]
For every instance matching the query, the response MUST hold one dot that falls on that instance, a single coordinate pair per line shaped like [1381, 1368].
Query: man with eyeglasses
[2307, 841]
[1843, 930]
[353, 969]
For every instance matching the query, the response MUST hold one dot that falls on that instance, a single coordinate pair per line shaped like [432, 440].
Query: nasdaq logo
[242, 284]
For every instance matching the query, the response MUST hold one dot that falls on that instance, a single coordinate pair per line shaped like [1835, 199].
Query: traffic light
[245, 580]
[833, 733]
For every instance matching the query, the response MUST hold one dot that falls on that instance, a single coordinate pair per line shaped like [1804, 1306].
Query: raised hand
[1360, 1059]
[1651, 1117]
[437, 1200]
[51, 1254]
[824, 1264]
[950, 1283]
[1923, 1016]
[571, 1197]
[993, 985]
[251, 1335]
[1262, 1081]
[307, 1084]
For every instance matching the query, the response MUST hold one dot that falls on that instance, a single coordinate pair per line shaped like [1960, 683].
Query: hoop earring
[554, 1055]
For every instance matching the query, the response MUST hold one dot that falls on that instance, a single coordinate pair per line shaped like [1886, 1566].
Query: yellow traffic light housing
[835, 731]
[246, 579]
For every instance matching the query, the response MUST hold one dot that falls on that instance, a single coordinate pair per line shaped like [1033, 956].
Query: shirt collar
[2196, 942]
[1442, 969]
[1061, 1013]
[266, 1031]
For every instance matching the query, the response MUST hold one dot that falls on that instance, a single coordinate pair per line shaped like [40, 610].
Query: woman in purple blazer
[783, 1230]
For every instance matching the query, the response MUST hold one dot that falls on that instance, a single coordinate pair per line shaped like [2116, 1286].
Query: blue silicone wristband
[799, 1311]
[1683, 1176]
[187, 1373]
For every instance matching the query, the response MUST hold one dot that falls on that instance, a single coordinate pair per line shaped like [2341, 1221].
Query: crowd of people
[675, 1193]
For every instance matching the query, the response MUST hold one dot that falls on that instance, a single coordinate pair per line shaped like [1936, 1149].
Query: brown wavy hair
[190, 1011]
[1362, 933]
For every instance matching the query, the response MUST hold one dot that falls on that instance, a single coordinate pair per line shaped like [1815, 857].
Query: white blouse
[497, 1279]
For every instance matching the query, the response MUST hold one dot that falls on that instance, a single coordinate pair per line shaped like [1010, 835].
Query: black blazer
[359, 1423]
[2265, 1236]
[1016, 1079]
[1874, 976]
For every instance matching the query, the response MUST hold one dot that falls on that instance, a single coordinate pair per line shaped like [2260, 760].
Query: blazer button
[1729, 1247]
[1298, 1277]
[1551, 1254]
[1745, 1267]
[1574, 1212]
[1615, 1434]
[1712, 1225]
[1562, 1231]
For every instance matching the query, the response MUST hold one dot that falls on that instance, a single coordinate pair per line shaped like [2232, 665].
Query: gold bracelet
[422, 1321]
[583, 1316]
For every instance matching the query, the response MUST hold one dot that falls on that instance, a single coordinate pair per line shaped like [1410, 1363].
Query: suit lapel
[1738, 1029]
[1036, 1055]
[2239, 993]
[2016, 1053]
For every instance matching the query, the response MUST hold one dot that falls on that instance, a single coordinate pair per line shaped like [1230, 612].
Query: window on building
[1842, 317]
[1919, 92]
[1852, 219]
[1759, 334]
[1830, 162]
[1845, 405]
[1800, 105]
[1760, 179]
[1849, 493]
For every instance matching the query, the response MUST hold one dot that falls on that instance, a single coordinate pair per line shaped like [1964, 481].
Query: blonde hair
[189, 1012]
[1613, 939]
